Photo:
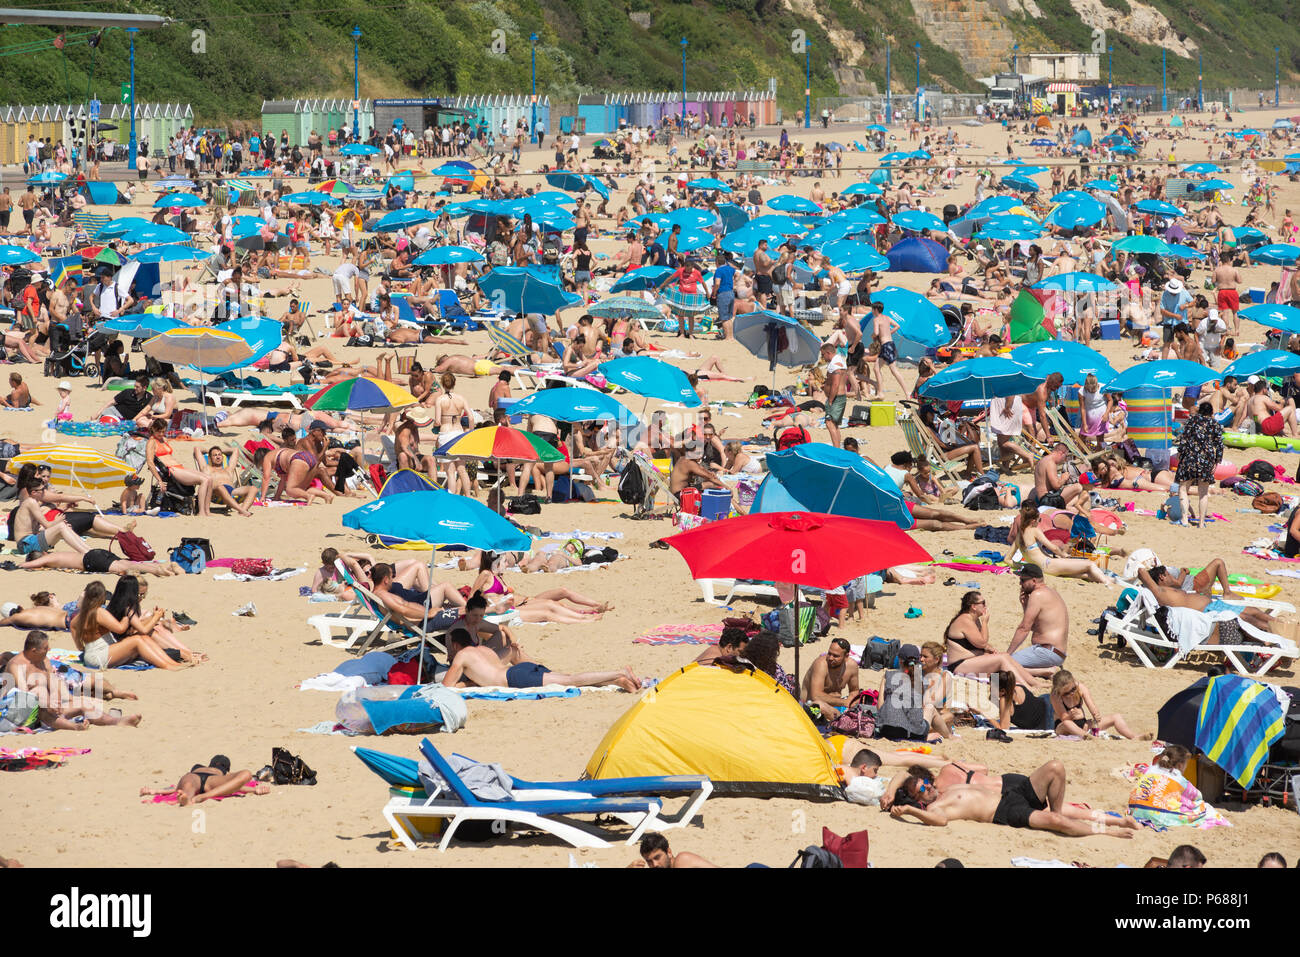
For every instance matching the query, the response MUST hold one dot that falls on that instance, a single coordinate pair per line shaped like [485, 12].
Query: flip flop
[913, 612]
[950, 581]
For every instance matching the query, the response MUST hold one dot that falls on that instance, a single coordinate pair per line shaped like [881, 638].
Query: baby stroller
[70, 354]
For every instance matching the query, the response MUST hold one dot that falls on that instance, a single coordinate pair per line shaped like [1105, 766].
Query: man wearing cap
[1046, 624]
[1174, 301]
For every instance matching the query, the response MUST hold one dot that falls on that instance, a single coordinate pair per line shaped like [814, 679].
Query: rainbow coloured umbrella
[361, 394]
[501, 442]
[333, 187]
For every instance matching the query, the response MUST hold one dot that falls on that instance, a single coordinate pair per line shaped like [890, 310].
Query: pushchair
[71, 354]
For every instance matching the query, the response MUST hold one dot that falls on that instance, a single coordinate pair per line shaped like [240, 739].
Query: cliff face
[1142, 23]
[974, 30]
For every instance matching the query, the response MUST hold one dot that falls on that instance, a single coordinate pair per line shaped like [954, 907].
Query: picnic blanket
[688, 634]
[973, 567]
[173, 796]
[277, 574]
[32, 759]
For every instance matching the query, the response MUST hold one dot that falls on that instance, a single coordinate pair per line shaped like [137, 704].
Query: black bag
[881, 653]
[632, 486]
[1260, 471]
[524, 505]
[598, 556]
[204, 545]
[814, 856]
[287, 768]
[984, 500]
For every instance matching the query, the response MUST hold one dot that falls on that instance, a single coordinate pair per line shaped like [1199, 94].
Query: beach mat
[173, 797]
[688, 634]
[34, 759]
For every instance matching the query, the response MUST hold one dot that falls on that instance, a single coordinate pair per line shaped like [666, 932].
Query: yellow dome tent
[749, 736]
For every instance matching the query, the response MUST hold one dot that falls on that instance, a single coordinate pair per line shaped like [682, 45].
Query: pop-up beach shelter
[746, 734]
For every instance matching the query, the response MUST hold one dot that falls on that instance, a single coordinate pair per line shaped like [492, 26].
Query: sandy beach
[244, 701]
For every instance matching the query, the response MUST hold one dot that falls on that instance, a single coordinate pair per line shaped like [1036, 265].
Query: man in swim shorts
[474, 666]
[1036, 802]
[1169, 592]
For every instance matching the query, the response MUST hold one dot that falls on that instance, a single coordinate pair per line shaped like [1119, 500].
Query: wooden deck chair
[655, 484]
[1074, 444]
[924, 446]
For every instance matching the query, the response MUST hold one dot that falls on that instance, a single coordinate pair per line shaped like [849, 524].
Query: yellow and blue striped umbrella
[76, 465]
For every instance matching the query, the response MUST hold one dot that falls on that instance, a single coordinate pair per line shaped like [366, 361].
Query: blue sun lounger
[548, 811]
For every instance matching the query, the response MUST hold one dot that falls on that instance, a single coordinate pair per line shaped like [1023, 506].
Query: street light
[356, 83]
[532, 128]
[889, 85]
[132, 146]
[684, 84]
[917, 47]
[1110, 78]
[1277, 77]
[807, 84]
[1200, 81]
[1164, 80]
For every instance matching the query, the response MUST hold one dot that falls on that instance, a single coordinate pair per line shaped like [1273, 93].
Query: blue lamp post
[917, 47]
[132, 145]
[1110, 79]
[532, 128]
[356, 83]
[1164, 80]
[684, 44]
[1277, 77]
[807, 84]
[889, 84]
[1200, 81]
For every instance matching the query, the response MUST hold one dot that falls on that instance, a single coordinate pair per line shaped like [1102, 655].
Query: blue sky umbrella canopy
[1286, 318]
[187, 200]
[858, 215]
[854, 256]
[155, 234]
[577, 183]
[1081, 212]
[1202, 168]
[1264, 362]
[1162, 374]
[919, 320]
[916, 219]
[779, 222]
[1077, 282]
[359, 149]
[1021, 184]
[171, 254]
[1249, 236]
[1156, 207]
[440, 518]
[788, 203]
[400, 219]
[708, 182]
[746, 239]
[690, 240]
[861, 189]
[652, 378]
[1073, 360]
[833, 481]
[312, 198]
[1104, 185]
[1070, 195]
[517, 289]
[981, 379]
[1209, 186]
[992, 206]
[1277, 254]
[572, 404]
[447, 255]
[1179, 251]
[647, 277]
[263, 336]
[17, 256]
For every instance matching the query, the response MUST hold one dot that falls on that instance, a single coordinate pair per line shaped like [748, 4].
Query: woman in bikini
[937, 684]
[163, 464]
[1018, 706]
[1070, 698]
[1037, 548]
[967, 637]
[296, 470]
[124, 605]
[94, 630]
[211, 780]
[44, 614]
[1113, 474]
[547, 606]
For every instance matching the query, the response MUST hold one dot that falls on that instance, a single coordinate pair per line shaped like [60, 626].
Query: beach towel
[67, 657]
[173, 797]
[277, 574]
[973, 567]
[681, 635]
[32, 759]
[1267, 554]
[1239, 720]
[1162, 798]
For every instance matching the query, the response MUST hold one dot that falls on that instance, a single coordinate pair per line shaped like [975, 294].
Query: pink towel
[172, 797]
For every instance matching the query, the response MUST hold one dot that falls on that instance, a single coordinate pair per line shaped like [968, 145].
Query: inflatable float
[1245, 585]
[1221, 471]
[1270, 443]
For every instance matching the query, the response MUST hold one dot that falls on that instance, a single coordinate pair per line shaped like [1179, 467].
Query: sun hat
[1174, 285]
[64, 386]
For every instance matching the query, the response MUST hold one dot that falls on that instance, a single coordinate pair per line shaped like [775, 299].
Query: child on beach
[64, 412]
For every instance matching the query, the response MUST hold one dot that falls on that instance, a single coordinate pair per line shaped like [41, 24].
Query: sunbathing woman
[1069, 699]
[85, 524]
[1037, 548]
[922, 495]
[211, 780]
[296, 470]
[967, 637]
[546, 606]
[44, 615]
[1113, 474]
[93, 629]
[163, 464]
[124, 605]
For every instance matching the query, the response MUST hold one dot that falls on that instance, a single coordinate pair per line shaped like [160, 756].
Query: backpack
[134, 547]
[202, 543]
[1270, 503]
[814, 856]
[796, 435]
[881, 653]
[288, 768]
[858, 719]
[1260, 471]
[190, 558]
[524, 505]
[632, 486]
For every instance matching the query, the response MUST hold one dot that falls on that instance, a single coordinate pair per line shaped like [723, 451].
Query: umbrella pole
[424, 631]
[797, 636]
[830, 509]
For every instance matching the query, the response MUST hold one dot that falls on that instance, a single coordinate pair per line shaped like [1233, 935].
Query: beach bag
[813, 856]
[524, 505]
[858, 719]
[881, 653]
[1260, 471]
[1270, 503]
[797, 435]
[1247, 487]
[256, 567]
[288, 768]
[202, 543]
[985, 499]
[135, 548]
[851, 849]
[190, 558]
[632, 486]
[130, 449]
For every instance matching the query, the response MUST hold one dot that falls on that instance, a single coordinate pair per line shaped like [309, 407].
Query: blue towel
[413, 715]
[1239, 720]
[518, 694]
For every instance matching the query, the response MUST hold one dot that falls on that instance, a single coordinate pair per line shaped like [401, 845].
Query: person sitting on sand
[1051, 485]
[206, 781]
[731, 643]
[95, 631]
[1046, 623]
[296, 470]
[655, 853]
[1036, 801]
[498, 638]
[32, 671]
[831, 681]
[473, 666]
[1170, 593]
[1032, 545]
[967, 637]
[1069, 698]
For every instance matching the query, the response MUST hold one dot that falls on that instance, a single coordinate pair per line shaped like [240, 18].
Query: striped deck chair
[508, 343]
[91, 223]
[924, 447]
[1065, 432]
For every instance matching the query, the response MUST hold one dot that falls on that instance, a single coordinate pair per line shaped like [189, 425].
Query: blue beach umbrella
[861, 189]
[1021, 184]
[398, 771]
[140, 325]
[1013, 221]
[120, 226]
[47, 178]
[1274, 316]
[1264, 362]
[894, 157]
[746, 239]
[17, 256]
[647, 277]
[832, 481]
[454, 170]
[1249, 236]
[778, 222]
[1179, 251]
[826, 234]
[263, 335]
[988, 378]
[919, 320]
[1070, 195]
[1156, 207]
[992, 206]
[1142, 244]
[689, 240]
[708, 182]
[359, 149]
[447, 255]
[854, 256]
[1080, 213]
[1210, 186]
[864, 216]
[577, 183]
[171, 254]
[1073, 360]
[1077, 282]
[918, 220]
[1104, 185]
[792, 204]
[1163, 374]
[1200, 169]
[688, 218]
[623, 307]
[402, 218]
[777, 338]
[440, 518]
[572, 404]
[1277, 254]
[151, 234]
[518, 289]
[652, 378]
[187, 200]
[312, 198]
